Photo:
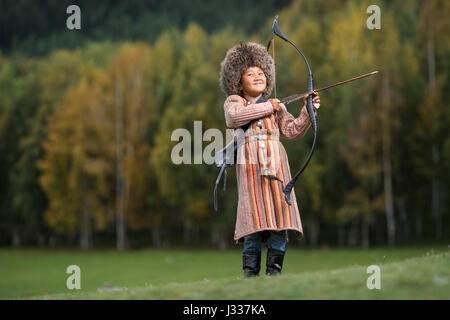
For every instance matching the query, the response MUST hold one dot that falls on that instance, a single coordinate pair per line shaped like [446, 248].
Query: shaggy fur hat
[241, 57]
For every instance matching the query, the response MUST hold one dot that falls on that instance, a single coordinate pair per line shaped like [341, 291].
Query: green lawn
[413, 272]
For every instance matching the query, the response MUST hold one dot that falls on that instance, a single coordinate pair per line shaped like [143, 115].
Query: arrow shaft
[296, 97]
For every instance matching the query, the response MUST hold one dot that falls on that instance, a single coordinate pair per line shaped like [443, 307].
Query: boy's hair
[241, 57]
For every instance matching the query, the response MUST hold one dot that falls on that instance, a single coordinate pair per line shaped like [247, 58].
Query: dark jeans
[276, 240]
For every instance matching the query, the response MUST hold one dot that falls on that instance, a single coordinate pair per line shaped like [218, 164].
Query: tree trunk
[222, 241]
[72, 239]
[431, 60]
[443, 211]
[120, 209]
[353, 235]
[379, 233]
[16, 238]
[156, 237]
[40, 240]
[187, 236]
[86, 224]
[387, 168]
[86, 232]
[404, 221]
[341, 236]
[435, 193]
[214, 236]
[218, 238]
[419, 228]
[313, 232]
[196, 234]
[52, 241]
[435, 198]
[365, 234]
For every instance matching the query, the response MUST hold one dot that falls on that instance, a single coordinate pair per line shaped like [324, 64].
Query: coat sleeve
[290, 127]
[236, 115]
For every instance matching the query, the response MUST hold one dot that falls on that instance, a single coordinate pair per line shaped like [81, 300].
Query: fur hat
[241, 57]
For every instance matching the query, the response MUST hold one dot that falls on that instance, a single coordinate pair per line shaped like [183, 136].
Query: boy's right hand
[275, 104]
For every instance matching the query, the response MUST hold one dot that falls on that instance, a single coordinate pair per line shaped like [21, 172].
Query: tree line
[85, 133]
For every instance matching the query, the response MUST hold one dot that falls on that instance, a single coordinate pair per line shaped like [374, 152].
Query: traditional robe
[262, 167]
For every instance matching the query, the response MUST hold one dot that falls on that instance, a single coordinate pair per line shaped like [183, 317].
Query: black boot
[251, 263]
[274, 262]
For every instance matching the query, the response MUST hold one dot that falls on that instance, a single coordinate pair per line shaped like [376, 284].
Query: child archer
[247, 77]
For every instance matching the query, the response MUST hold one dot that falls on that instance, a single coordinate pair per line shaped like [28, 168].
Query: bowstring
[275, 66]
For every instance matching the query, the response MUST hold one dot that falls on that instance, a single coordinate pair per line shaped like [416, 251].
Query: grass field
[406, 273]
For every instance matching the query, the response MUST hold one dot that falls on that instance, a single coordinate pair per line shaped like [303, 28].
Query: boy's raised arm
[290, 127]
[236, 114]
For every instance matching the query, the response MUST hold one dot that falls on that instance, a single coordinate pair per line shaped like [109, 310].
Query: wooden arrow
[296, 97]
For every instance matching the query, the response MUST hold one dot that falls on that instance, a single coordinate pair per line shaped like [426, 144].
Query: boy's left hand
[315, 101]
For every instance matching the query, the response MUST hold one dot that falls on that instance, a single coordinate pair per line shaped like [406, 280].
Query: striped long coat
[261, 204]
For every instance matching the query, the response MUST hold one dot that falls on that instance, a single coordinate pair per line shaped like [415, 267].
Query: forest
[86, 118]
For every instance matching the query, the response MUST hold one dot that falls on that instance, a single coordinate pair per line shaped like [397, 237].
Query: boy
[247, 77]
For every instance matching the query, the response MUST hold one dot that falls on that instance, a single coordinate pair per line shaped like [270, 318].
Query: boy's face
[253, 82]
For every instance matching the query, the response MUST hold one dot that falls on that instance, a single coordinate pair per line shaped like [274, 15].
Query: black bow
[276, 31]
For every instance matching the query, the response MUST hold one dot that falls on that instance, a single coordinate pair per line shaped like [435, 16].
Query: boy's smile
[253, 82]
